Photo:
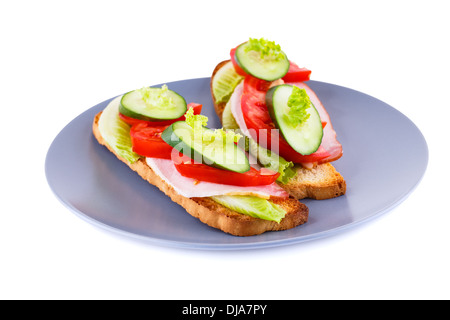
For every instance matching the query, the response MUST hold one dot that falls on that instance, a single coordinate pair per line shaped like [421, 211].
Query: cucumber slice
[226, 156]
[224, 82]
[306, 137]
[269, 67]
[153, 104]
[116, 132]
[272, 161]
[252, 206]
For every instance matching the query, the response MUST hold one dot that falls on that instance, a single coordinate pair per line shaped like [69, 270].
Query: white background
[59, 58]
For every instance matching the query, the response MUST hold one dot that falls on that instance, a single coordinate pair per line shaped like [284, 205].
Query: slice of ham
[236, 109]
[192, 188]
[329, 141]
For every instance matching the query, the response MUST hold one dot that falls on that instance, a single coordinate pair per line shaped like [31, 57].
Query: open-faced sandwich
[243, 182]
[264, 94]
[167, 143]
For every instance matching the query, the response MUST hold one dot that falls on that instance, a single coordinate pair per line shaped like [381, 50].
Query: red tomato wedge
[203, 172]
[257, 118]
[146, 141]
[296, 74]
[131, 121]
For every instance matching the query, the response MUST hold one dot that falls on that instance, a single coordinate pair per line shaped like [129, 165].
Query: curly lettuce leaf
[298, 104]
[268, 50]
[116, 132]
[157, 97]
[217, 137]
[195, 121]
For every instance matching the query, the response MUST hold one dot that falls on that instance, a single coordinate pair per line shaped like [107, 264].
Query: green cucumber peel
[153, 104]
[296, 117]
[262, 59]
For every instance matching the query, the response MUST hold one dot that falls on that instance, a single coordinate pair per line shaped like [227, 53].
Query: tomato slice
[238, 69]
[203, 172]
[256, 87]
[146, 141]
[257, 118]
[131, 121]
[296, 74]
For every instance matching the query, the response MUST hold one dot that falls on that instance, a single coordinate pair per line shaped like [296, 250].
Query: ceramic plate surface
[385, 157]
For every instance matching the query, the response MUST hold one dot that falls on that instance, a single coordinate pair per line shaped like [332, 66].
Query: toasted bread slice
[321, 182]
[210, 212]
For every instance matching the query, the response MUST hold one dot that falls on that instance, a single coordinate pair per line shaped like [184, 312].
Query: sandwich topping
[153, 104]
[195, 161]
[262, 59]
[190, 188]
[280, 113]
[298, 104]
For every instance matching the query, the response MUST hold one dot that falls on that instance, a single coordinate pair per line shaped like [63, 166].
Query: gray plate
[385, 157]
